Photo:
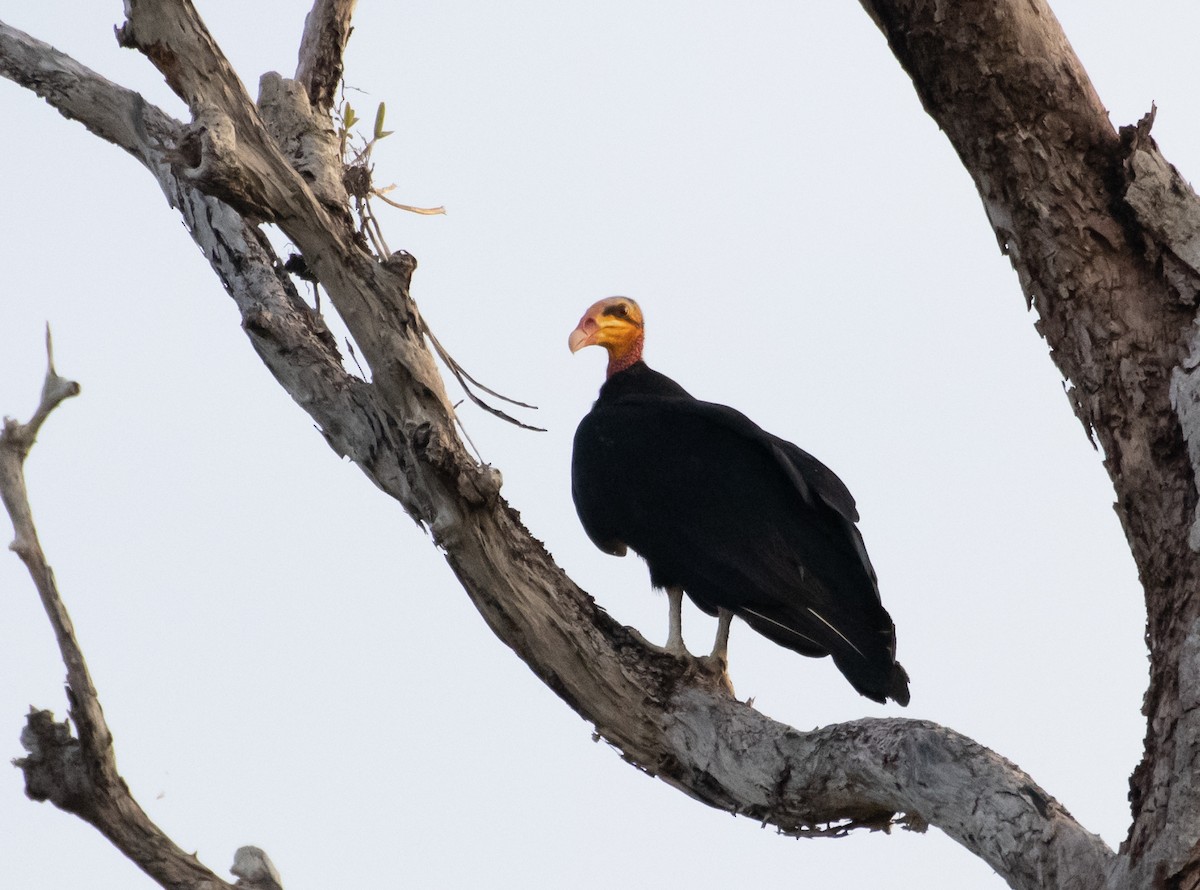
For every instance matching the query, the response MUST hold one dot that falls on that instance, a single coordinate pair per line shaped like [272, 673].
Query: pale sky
[282, 655]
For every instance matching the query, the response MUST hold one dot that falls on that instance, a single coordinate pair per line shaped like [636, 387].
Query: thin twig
[15, 443]
[463, 377]
[386, 251]
[423, 211]
[446, 357]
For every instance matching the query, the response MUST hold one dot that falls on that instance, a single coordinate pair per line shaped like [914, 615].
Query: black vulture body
[738, 518]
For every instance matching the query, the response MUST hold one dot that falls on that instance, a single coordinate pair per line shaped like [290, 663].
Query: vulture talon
[717, 667]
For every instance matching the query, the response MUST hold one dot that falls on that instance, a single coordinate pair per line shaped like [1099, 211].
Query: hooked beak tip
[578, 339]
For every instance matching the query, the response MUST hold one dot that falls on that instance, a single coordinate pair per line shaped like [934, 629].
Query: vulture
[745, 523]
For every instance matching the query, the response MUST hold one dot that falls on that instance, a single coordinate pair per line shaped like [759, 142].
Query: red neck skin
[631, 356]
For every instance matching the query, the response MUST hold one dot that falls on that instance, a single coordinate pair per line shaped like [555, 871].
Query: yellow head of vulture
[616, 324]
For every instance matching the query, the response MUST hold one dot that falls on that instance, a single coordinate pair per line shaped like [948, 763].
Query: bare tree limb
[79, 775]
[15, 442]
[112, 112]
[326, 32]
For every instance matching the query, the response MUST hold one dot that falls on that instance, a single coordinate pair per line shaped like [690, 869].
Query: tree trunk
[1101, 232]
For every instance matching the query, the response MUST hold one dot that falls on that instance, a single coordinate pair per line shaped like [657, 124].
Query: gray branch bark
[1054, 178]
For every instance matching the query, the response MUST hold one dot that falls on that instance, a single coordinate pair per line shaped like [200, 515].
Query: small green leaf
[379, 134]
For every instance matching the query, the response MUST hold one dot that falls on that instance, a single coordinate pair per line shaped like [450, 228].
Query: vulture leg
[720, 650]
[717, 662]
[675, 644]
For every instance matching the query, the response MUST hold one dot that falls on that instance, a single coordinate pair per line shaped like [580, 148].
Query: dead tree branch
[79, 775]
[326, 33]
